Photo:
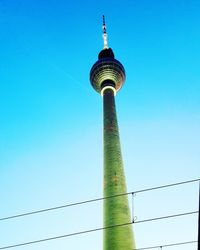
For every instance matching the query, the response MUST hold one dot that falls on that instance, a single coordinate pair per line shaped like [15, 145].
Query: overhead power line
[96, 229]
[63, 236]
[166, 186]
[168, 245]
[165, 217]
[94, 200]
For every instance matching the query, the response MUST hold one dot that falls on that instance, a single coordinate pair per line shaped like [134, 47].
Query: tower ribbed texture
[116, 209]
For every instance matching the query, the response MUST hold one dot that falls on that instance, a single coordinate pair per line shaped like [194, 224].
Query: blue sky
[51, 118]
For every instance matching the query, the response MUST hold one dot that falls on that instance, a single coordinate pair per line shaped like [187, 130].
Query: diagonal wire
[166, 217]
[94, 230]
[168, 245]
[93, 200]
[64, 236]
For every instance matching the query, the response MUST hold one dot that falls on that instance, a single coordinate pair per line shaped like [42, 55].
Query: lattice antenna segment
[105, 36]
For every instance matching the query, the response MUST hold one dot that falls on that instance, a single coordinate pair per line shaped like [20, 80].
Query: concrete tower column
[116, 209]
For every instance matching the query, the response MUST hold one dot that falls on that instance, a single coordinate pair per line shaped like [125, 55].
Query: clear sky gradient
[51, 118]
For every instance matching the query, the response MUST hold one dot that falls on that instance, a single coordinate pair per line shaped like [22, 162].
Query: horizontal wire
[94, 200]
[94, 230]
[168, 245]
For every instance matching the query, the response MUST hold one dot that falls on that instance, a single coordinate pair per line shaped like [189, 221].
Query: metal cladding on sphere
[107, 71]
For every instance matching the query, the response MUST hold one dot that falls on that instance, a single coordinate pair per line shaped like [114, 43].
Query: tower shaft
[116, 209]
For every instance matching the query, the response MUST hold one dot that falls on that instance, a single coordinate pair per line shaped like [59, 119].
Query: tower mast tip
[105, 37]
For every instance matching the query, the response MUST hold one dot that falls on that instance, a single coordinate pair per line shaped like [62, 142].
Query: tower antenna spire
[105, 37]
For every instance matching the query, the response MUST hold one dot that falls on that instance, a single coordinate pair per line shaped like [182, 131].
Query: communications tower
[107, 76]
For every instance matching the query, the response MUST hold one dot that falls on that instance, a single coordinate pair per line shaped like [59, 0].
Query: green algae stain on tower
[107, 77]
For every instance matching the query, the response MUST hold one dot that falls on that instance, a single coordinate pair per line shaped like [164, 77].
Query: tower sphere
[107, 71]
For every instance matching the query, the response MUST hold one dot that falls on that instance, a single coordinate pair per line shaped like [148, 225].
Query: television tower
[107, 76]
